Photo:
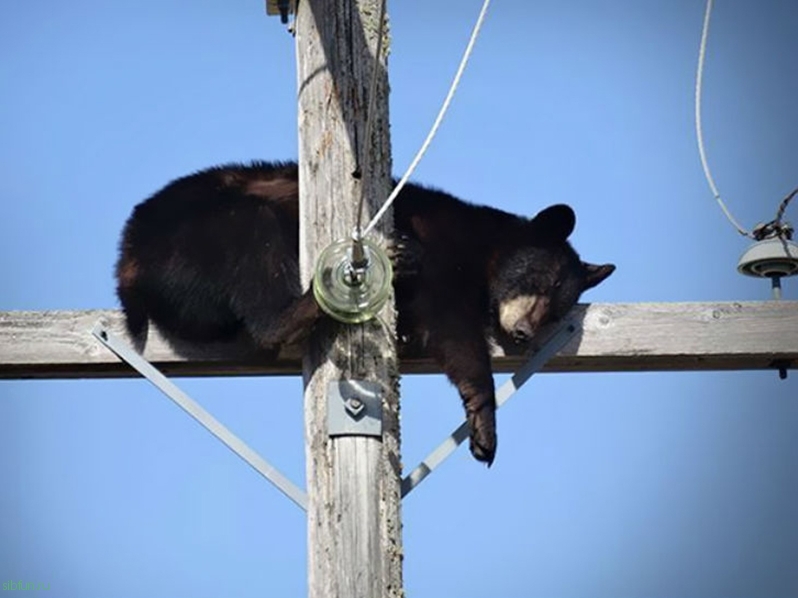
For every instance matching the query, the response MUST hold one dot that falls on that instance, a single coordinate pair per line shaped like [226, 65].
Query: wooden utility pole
[354, 523]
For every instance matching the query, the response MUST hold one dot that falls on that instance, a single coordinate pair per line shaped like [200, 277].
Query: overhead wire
[783, 206]
[363, 159]
[699, 134]
[436, 124]
[359, 232]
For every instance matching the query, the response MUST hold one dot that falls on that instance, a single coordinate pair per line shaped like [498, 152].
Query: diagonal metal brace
[205, 419]
[558, 340]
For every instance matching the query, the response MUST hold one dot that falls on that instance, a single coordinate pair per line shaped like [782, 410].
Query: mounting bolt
[354, 406]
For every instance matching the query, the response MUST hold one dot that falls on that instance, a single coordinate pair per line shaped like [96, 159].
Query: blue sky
[632, 484]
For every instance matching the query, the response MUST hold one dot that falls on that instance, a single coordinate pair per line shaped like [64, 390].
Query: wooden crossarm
[619, 337]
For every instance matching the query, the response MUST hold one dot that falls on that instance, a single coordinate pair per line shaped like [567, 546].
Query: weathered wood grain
[676, 336]
[619, 337]
[59, 344]
[354, 500]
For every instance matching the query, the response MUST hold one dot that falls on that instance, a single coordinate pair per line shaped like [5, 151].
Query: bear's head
[539, 277]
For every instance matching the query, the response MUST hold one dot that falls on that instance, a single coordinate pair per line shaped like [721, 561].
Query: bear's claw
[482, 441]
[405, 254]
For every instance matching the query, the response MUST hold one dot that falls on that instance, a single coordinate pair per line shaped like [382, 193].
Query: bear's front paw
[483, 435]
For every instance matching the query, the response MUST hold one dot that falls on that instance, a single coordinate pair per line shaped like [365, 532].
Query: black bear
[215, 254]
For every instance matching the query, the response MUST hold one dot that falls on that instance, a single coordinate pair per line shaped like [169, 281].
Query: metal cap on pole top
[283, 8]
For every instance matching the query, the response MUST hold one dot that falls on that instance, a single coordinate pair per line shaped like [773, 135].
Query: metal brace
[558, 340]
[205, 419]
[354, 408]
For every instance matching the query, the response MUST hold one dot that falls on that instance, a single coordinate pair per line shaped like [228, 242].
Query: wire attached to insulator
[783, 206]
[352, 280]
[436, 124]
[699, 134]
[776, 227]
[362, 160]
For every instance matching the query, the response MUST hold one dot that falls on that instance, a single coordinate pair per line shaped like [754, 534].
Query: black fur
[215, 254]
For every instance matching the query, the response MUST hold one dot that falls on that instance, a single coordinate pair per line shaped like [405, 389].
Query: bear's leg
[264, 288]
[464, 357]
[136, 314]
[291, 325]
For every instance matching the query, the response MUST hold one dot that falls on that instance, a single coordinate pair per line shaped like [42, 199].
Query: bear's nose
[522, 332]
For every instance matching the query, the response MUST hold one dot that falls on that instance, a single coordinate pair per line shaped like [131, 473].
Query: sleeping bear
[214, 255]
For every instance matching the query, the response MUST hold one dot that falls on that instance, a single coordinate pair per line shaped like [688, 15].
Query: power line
[437, 122]
[701, 151]
[363, 158]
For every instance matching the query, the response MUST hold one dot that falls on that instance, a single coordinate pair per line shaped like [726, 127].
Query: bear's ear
[555, 223]
[595, 274]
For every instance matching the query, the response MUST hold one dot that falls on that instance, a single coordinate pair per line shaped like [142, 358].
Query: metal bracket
[354, 408]
[205, 419]
[558, 340]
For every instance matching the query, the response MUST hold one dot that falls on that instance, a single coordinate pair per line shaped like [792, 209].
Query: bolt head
[354, 406]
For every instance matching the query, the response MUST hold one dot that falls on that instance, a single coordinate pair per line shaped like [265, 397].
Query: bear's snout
[523, 331]
[521, 316]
